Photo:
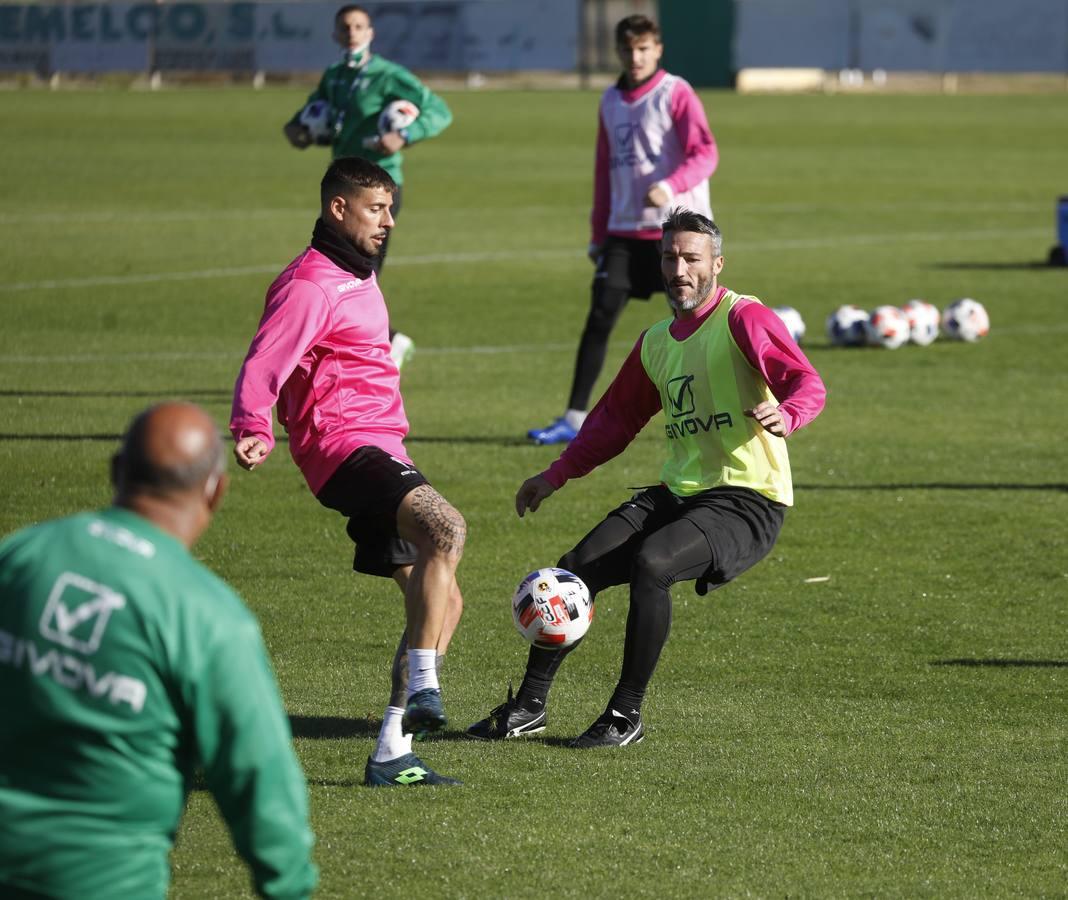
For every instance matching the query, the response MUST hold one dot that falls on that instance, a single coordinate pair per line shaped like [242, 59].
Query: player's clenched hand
[657, 196]
[594, 252]
[531, 493]
[250, 452]
[391, 142]
[768, 415]
[297, 135]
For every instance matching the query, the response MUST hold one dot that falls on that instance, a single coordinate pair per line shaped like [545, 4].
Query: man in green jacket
[125, 667]
[357, 89]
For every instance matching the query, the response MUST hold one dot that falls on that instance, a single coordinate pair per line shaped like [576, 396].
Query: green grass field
[897, 730]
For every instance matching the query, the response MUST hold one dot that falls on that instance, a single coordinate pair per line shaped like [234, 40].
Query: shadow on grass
[332, 727]
[1004, 663]
[281, 439]
[936, 486]
[468, 439]
[999, 266]
[337, 727]
[183, 392]
[60, 437]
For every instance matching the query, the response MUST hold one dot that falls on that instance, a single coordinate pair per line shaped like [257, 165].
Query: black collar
[339, 251]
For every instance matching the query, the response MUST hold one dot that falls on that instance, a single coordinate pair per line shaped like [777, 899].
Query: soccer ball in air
[791, 318]
[317, 118]
[552, 608]
[887, 327]
[397, 115]
[923, 321]
[966, 320]
[846, 326]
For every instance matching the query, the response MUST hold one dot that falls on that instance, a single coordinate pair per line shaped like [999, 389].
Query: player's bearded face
[690, 269]
[364, 218]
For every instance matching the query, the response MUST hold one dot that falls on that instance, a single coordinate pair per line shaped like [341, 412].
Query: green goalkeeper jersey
[126, 666]
[358, 95]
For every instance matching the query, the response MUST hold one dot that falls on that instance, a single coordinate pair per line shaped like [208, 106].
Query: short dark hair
[682, 219]
[134, 470]
[349, 174]
[350, 8]
[634, 27]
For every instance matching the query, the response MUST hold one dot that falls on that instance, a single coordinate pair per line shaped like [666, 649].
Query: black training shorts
[368, 487]
[631, 265]
[740, 525]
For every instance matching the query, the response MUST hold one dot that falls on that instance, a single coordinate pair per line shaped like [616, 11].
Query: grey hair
[681, 219]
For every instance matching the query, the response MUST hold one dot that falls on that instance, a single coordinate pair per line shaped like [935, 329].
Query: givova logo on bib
[680, 396]
[75, 616]
[77, 612]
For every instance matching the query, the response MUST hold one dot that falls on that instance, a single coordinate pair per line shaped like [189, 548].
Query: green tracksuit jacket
[357, 96]
[125, 665]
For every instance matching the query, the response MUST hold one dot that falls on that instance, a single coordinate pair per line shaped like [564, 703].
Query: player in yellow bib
[732, 385]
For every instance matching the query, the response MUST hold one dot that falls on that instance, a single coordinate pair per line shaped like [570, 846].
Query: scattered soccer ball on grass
[791, 318]
[846, 326]
[887, 327]
[923, 319]
[317, 118]
[552, 608]
[965, 320]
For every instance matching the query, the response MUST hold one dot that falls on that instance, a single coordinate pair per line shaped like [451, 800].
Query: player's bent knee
[653, 568]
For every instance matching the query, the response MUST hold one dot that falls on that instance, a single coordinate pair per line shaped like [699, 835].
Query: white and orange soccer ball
[923, 319]
[846, 326]
[965, 320]
[887, 327]
[552, 608]
[791, 318]
[397, 115]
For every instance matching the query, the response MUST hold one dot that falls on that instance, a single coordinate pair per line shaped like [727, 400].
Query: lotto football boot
[424, 714]
[559, 432]
[508, 720]
[612, 729]
[402, 771]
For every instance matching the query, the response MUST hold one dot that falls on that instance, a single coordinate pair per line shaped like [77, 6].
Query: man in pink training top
[654, 151]
[732, 385]
[321, 354]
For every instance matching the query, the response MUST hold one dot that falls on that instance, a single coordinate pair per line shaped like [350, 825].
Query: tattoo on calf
[445, 526]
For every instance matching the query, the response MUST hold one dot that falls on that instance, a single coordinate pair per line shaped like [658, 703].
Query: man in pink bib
[654, 151]
[322, 356]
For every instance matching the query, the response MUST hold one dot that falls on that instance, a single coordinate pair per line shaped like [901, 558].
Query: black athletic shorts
[631, 265]
[740, 525]
[368, 487]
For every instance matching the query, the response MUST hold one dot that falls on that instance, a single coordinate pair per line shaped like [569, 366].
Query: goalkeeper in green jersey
[358, 89]
[125, 667]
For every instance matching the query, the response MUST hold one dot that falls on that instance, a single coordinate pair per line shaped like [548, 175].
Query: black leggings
[605, 307]
[615, 553]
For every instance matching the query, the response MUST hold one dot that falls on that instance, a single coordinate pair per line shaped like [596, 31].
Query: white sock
[392, 742]
[422, 670]
[575, 418]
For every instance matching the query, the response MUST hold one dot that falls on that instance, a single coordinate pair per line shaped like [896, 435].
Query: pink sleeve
[295, 317]
[767, 345]
[630, 401]
[601, 187]
[701, 153]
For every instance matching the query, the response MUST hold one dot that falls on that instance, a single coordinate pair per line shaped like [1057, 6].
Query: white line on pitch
[439, 259]
[487, 350]
[123, 217]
